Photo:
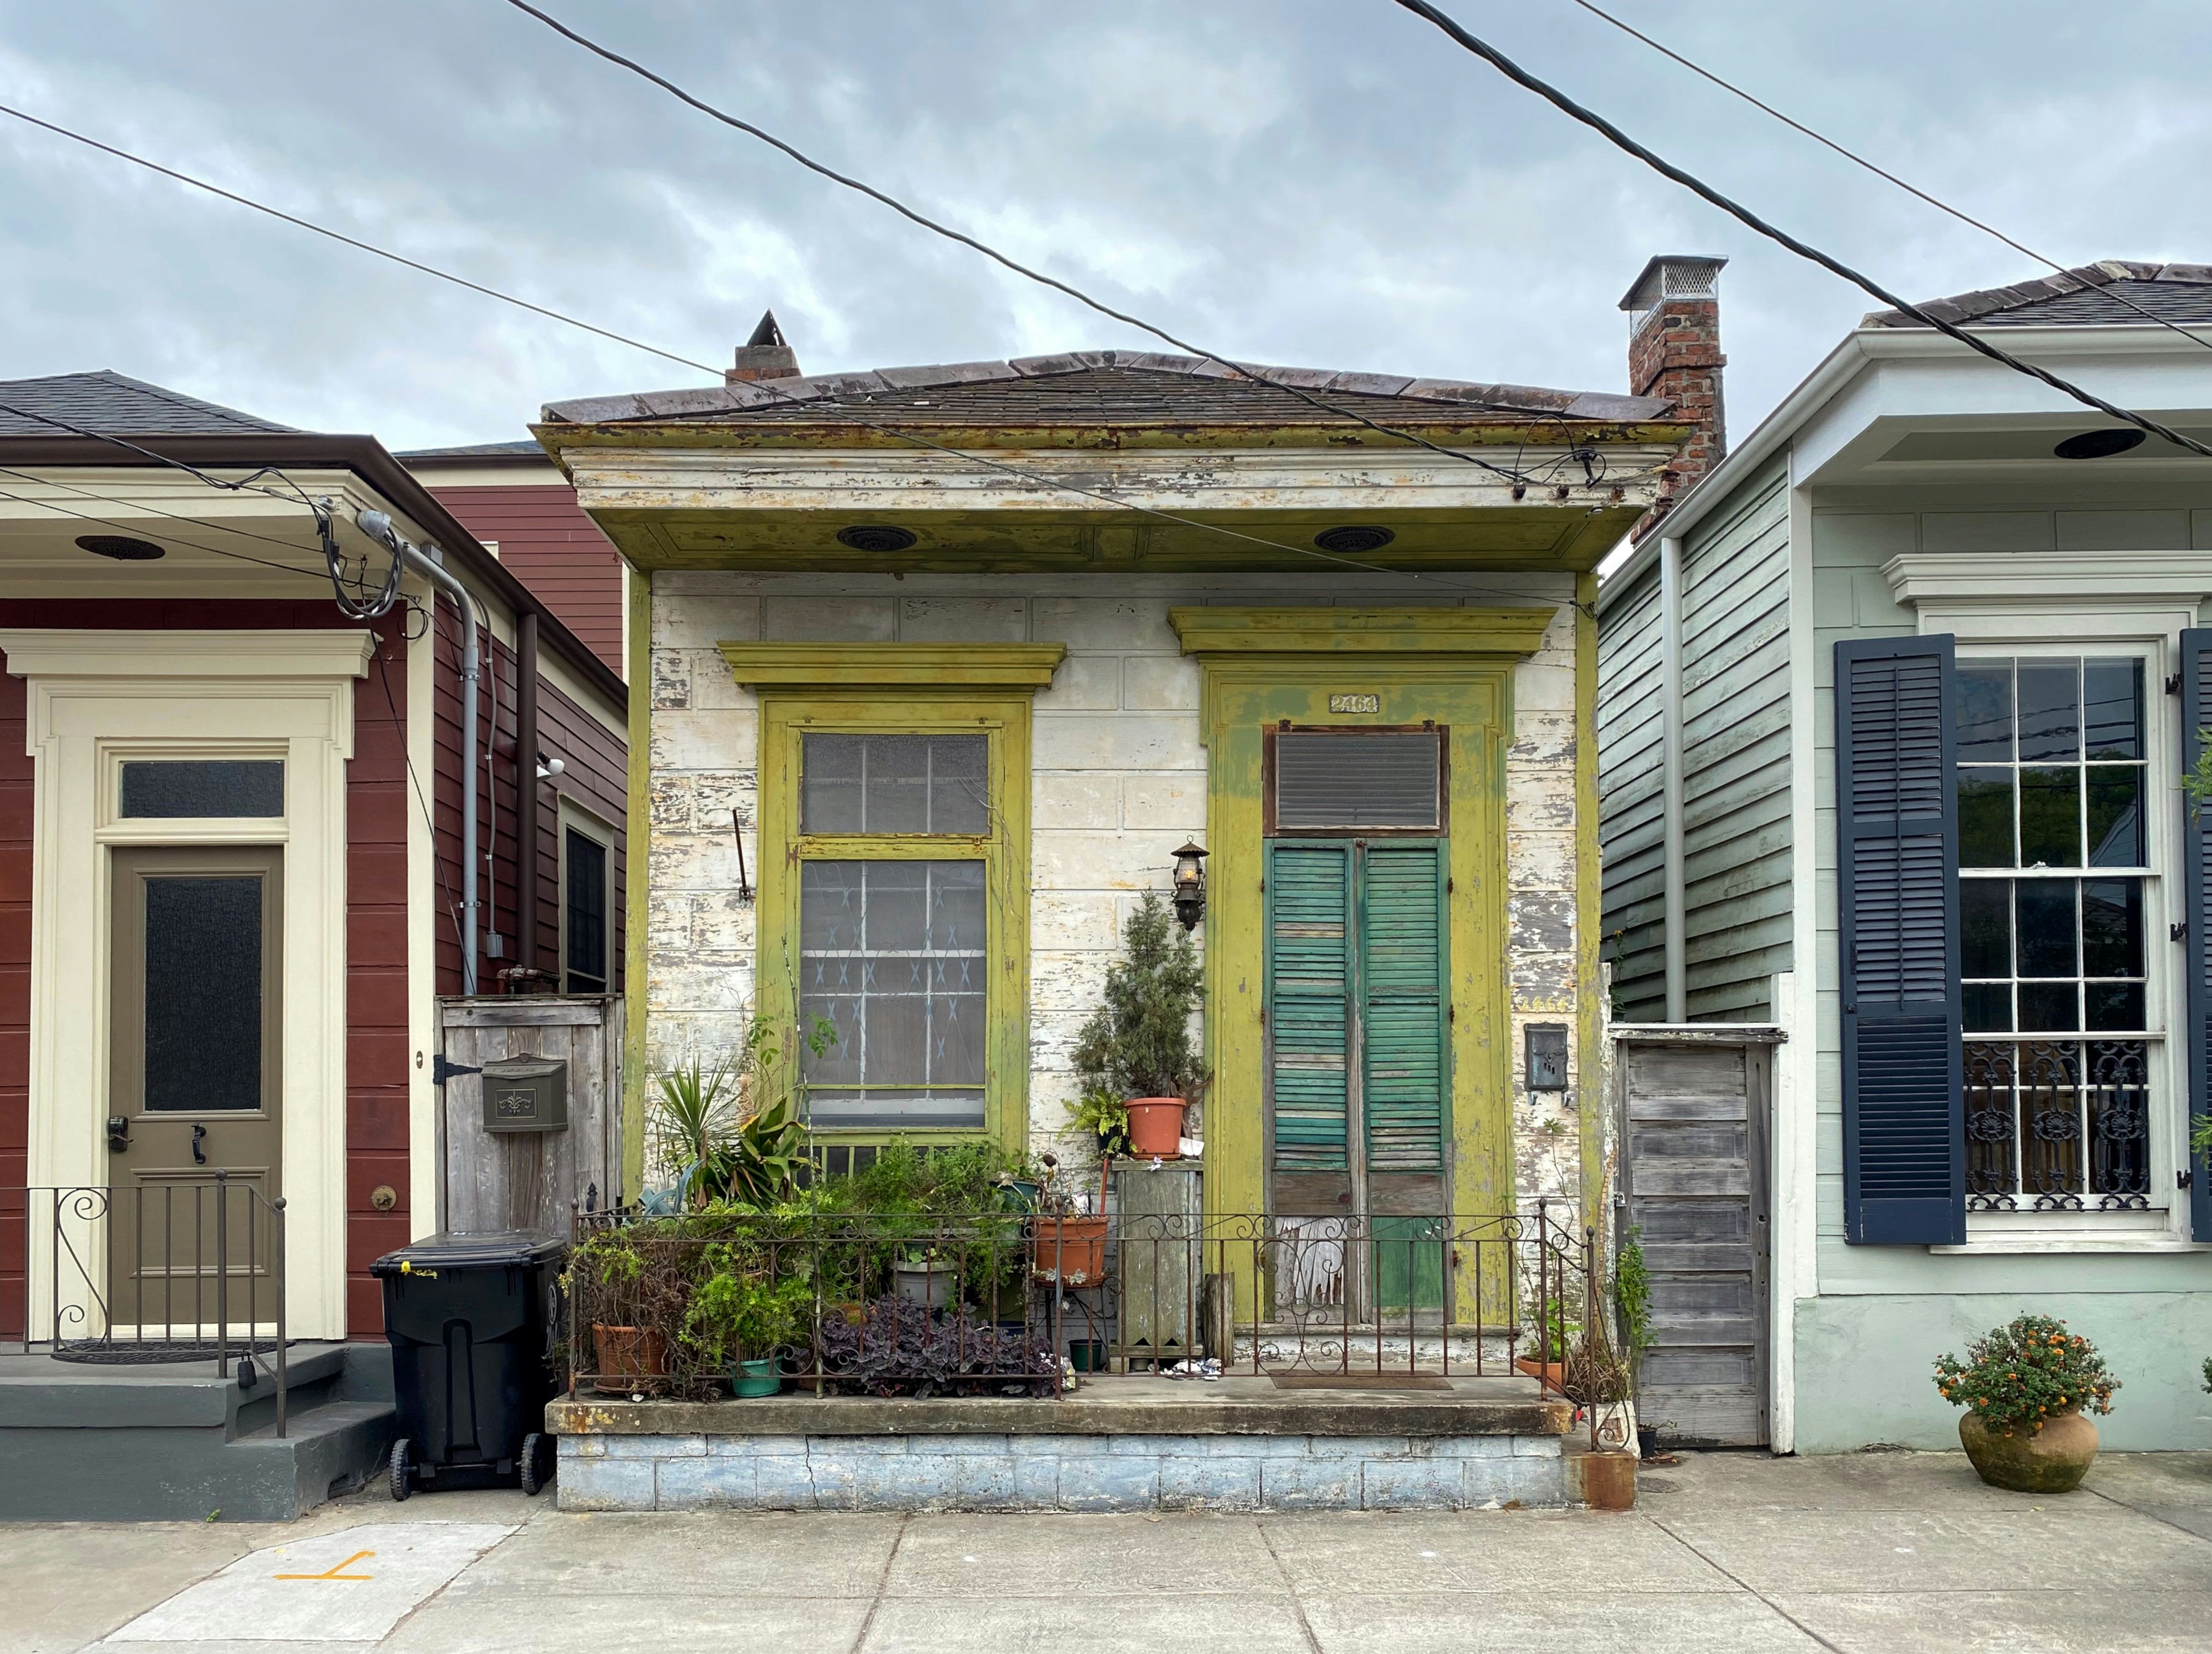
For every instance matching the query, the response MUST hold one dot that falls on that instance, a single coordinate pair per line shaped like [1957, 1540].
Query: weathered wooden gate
[1693, 1110]
[528, 1180]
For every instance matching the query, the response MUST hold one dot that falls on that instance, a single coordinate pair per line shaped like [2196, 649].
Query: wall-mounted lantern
[1190, 885]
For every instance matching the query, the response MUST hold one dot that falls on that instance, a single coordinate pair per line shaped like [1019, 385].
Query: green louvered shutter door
[1402, 931]
[1308, 1003]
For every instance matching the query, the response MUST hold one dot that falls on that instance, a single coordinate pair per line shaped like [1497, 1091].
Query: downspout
[526, 791]
[1675, 902]
[379, 526]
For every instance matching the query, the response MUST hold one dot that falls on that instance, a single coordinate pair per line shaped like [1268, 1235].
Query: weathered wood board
[530, 1180]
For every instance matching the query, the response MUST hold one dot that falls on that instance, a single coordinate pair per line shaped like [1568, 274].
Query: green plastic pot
[761, 1377]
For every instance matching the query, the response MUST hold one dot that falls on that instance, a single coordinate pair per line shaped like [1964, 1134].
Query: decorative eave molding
[2070, 579]
[894, 666]
[1362, 631]
[47, 653]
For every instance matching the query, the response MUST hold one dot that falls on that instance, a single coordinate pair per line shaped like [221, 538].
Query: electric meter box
[525, 1093]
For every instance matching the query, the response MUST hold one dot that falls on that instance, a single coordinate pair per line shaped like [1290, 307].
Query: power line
[134, 528]
[991, 252]
[896, 433]
[1824, 140]
[1744, 216]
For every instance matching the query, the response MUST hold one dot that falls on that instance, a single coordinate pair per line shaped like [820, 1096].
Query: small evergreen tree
[1138, 1042]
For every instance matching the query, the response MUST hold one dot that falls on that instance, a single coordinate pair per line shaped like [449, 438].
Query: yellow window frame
[787, 717]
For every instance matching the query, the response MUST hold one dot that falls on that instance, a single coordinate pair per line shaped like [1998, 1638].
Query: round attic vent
[121, 547]
[2099, 445]
[875, 537]
[1353, 538]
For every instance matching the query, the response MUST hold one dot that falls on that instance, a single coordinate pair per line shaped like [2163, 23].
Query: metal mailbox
[525, 1093]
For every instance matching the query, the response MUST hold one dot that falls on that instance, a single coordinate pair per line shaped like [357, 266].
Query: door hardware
[199, 1154]
[118, 1133]
[441, 1071]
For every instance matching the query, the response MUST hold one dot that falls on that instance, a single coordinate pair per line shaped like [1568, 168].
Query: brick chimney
[1675, 351]
[764, 355]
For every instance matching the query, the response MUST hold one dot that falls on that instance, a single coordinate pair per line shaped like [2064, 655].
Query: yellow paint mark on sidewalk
[337, 1572]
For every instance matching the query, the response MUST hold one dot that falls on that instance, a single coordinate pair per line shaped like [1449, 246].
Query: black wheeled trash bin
[472, 1320]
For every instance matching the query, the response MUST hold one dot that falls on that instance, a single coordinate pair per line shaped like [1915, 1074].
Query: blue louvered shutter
[1308, 1003]
[1897, 855]
[1402, 1016]
[2196, 905]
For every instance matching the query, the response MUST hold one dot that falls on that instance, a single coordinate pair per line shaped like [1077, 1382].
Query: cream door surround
[98, 697]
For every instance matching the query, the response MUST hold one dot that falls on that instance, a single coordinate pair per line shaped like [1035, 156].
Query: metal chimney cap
[1674, 276]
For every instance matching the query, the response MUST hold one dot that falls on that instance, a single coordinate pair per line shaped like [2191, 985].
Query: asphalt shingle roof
[113, 404]
[1093, 387]
[2084, 297]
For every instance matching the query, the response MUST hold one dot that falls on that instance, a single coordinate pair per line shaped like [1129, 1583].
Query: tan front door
[195, 1071]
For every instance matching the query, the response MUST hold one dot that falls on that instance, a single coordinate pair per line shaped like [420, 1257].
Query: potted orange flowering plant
[2027, 1388]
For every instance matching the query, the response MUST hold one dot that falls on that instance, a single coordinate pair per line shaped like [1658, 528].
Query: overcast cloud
[1317, 182]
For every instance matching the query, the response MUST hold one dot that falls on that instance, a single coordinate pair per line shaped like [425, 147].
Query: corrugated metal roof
[2089, 296]
[113, 404]
[1093, 387]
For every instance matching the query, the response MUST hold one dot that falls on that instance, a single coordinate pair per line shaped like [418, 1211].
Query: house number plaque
[1355, 703]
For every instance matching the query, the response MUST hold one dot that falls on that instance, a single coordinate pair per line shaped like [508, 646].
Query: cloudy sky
[1319, 182]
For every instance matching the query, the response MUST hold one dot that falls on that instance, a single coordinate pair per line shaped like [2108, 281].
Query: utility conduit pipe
[380, 527]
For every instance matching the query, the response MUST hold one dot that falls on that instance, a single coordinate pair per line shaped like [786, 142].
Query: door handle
[199, 1154]
[118, 1133]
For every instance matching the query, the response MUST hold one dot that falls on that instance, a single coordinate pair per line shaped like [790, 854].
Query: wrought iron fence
[188, 1269]
[1014, 1303]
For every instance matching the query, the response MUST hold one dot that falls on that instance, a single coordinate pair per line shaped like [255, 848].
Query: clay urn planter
[2052, 1459]
[1156, 1128]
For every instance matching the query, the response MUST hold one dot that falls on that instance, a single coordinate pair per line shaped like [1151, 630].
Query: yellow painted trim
[879, 666]
[1361, 631]
[637, 863]
[1004, 850]
[1589, 1026]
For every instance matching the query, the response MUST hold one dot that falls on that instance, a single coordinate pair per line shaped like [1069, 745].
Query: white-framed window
[2062, 769]
[587, 864]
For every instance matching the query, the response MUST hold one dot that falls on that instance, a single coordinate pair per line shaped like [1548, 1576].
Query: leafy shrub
[1138, 1042]
[897, 1348]
[732, 1131]
[1632, 1295]
[737, 1314]
[2015, 1376]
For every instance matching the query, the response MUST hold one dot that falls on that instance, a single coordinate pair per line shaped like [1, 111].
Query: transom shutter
[1309, 968]
[2196, 842]
[1897, 851]
[1401, 930]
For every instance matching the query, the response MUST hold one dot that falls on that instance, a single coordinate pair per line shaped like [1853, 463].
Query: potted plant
[1136, 1046]
[740, 1318]
[2028, 1388]
[630, 1355]
[732, 1130]
[1548, 1366]
[1106, 1116]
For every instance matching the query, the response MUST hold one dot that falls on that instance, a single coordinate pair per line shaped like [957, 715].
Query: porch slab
[1124, 1444]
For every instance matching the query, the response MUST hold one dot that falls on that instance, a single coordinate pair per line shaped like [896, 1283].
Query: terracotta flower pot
[1552, 1375]
[1156, 1128]
[1071, 1250]
[629, 1356]
[2051, 1460]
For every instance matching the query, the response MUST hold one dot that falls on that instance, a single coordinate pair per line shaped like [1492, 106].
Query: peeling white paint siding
[1118, 780]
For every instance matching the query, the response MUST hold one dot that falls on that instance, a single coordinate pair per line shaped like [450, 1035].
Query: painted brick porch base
[1058, 1473]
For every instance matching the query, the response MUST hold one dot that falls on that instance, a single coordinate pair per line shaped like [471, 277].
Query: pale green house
[1893, 710]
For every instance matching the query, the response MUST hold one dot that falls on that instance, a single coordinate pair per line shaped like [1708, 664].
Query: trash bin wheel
[536, 1459]
[400, 1485]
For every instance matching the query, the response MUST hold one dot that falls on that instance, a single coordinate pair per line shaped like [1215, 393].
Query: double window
[2052, 757]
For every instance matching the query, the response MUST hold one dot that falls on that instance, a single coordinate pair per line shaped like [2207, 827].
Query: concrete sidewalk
[1870, 1553]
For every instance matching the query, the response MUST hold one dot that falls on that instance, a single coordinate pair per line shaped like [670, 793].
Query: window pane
[1989, 1006]
[586, 902]
[203, 994]
[2049, 1006]
[2046, 927]
[2116, 817]
[164, 788]
[1985, 922]
[2049, 709]
[2115, 1005]
[2050, 1108]
[1985, 713]
[894, 784]
[2114, 693]
[1986, 819]
[2050, 816]
[2111, 929]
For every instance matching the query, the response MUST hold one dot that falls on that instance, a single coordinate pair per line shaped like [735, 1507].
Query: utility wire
[135, 528]
[1744, 216]
[1826, 142]
[896, 433]
[991, 252]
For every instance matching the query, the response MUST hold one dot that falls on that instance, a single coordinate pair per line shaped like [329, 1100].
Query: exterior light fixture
[123, 548]
[1190, 885]
[876, 537]
[2099, 445]
[1353, 538]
